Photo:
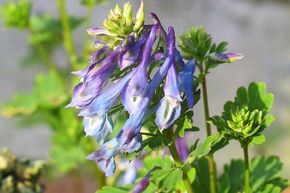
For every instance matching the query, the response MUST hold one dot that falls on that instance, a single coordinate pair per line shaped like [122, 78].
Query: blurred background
[260, 29]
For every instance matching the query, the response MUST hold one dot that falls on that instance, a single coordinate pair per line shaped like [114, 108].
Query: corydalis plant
[138, 71]
[121, 67]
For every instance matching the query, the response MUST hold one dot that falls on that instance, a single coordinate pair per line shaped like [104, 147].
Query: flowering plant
[137, 72]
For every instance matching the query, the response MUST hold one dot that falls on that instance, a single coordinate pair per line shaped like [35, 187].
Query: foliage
[45, 103]
[247, 116]
[19, 176]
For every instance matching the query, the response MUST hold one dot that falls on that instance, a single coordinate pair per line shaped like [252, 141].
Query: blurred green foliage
[52, 88]
[19, 176]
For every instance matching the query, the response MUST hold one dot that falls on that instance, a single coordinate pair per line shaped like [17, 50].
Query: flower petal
[168, 111]
[186, 79]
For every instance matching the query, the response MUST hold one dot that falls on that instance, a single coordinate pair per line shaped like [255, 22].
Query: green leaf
[110, 189]
[166, 179]
[91, 3]
[139, 18]
[201, 183]
[266, 170]
[49, 90]
[20, 105]
[270, 188]
[222, 47]
[205, 148]
[16, 14]
[259, 139]
[150, 162]
[47, 30]
[230, 180]
[265, 176]
[258, 96]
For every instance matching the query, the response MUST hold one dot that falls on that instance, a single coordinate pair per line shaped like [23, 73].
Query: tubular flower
[181, 147]
[137, 86]
[99, 127]
[128, 70]
[227, 57]
[104, 156]
[169, 107]
[186, 79]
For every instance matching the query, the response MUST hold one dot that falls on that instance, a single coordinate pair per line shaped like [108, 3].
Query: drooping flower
[99, 127]
[131, 51]
[130, 64]
[181, 148]
[169, 107]
[142, 185]
[104, 156]
[104, 101]
[93, 81]
[186, 79]
[134, 91]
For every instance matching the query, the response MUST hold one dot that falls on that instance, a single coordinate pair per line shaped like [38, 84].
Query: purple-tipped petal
[171, 86]
[83, 94]
[168, 111]
[98, 127]
[136, 88]
[131, 52]
[104, 156]
[181, 147]
[227, 57]
[103, 102]
[142, 185]
[98, 31]
[186, 79]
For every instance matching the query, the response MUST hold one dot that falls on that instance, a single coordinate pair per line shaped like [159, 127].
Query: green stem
[211, 162]
[46, 58]
[89, 15]
[247, 170]
[67, 32]
[172, 148]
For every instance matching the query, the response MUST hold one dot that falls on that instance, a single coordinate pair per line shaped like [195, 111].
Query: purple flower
[227, 57]
[104, 101]
[99, 127]
[131, 51]
[134, 91]
[169, 107]
[93, 81]
[104, 156]
[181, 147]
[186, 79]
[142, 185]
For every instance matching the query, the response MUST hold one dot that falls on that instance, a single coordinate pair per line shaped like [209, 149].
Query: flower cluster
[134, 55]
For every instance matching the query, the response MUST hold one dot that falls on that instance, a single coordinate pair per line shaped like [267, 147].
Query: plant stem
[211, 162]
[172, 148]
[101, 178]
[247, 170]
[46, 58]
[67, 32]
[89, 15]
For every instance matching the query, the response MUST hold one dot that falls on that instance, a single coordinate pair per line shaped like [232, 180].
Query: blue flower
[186, 79]
[93, 81]
[169, 107]
[227, 57]
[104, 156]
[134, 91]
[104, 101]
[131, 51]
[181, 147]
[99, 127]
[142, 185]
